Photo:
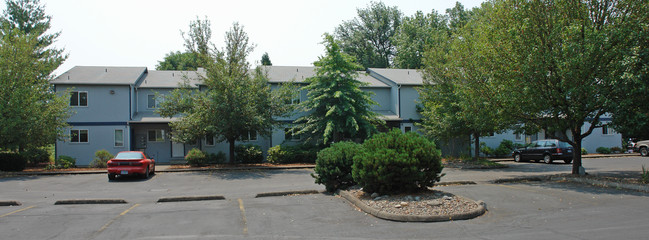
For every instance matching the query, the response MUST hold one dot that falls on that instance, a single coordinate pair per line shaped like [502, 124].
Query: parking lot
[536, 210]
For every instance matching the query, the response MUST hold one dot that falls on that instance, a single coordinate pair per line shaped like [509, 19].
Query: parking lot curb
[414, 218]
[235, 168]
[609, 184]
[285, 193]
[190, 198]
[90, 201]
[9, 203]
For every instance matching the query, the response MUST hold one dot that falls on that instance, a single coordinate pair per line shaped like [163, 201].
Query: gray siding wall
[102, 105]
[382, 96]
[409, 100]
[143, 94]
[99, 137]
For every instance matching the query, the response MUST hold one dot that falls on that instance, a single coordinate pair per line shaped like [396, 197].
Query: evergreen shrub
[101, 158]
[334, 165]
[603, 150]
[216, 158]
[64, 162]
[302, 153]
[195, 157]
[395, 162]
[12, 162]
[34, 156]
[248, 153]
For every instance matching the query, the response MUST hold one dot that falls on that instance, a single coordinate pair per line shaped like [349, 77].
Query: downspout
[399, 98]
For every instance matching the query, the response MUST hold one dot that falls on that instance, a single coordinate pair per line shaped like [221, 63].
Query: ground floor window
[290, 134]
[407, 129]
[209, 140]
[249, 136]
[79, 136]
[119, 137]
[156, 135]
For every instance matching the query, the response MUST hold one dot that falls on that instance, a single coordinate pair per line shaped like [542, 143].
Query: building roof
[95, 75]
[279, 74]
[169, 79]
[400, 76]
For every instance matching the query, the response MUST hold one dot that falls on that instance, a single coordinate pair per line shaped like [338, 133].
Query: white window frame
[79, 135]
[294, 137]
[79, 99]
[115, 138]
[250, 137]
[162, 135]
[155, 101]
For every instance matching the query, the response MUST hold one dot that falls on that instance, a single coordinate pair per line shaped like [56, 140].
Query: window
[119, 137]
[607, 130]
[209, 140]
[407, 129]
[78, 99]
[156, 135]
[249, 136]
[289, 134]
[151, 101]
[79, 136]
[518, 137]
[296, 99]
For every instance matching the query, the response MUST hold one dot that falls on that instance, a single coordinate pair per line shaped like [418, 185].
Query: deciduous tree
[181, 61]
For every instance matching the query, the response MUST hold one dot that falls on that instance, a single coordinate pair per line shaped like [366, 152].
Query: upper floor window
[78, 136]
[606, 130]
[296, 99]
[249, 136]
[156, 135]
[78, 98]
[151, 101]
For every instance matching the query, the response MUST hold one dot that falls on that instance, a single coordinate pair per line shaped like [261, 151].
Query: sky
[142, 32]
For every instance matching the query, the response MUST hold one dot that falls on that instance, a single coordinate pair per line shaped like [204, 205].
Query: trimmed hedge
[248, 153]
[12, 162]
[395, 162]
[302, 153]
[334, 165]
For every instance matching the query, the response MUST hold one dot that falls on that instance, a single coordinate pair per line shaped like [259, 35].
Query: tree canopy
[337, 108]
[550, 65]
[33, 115]
[265, 60]
[234, 101]
[181, 61]
[369, 37]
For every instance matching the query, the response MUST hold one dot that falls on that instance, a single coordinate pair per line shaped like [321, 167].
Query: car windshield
[129, 155]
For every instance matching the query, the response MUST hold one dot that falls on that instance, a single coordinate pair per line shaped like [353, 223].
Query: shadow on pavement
[249, 174]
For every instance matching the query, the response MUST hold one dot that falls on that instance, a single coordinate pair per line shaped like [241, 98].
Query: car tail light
[111, 164]
[558, 150]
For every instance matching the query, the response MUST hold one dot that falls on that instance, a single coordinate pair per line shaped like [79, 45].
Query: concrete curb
[413, 218]
[9, 203]
[609, 184]
[582, 157]
[159, 171]
[521, 179]
[455, 183]
[279, 194]
[190, 198]
[90, 201]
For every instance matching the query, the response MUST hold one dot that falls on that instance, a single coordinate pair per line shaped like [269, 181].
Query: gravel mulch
[426, 203]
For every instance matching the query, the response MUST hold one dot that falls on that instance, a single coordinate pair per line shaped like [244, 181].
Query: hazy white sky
[141, 32]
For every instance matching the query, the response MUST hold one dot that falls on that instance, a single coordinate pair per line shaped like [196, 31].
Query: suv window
[550, 144]
[538, 143]
[564, 145]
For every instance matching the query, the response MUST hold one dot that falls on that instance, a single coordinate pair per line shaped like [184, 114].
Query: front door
[177, 150]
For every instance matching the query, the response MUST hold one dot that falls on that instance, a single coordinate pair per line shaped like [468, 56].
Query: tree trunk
[476, 137]
[231, 142]
[576, 154]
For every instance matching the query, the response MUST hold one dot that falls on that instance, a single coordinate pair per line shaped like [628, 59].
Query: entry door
[177, 149]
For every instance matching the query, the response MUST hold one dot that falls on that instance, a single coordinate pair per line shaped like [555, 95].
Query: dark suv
[546, 150]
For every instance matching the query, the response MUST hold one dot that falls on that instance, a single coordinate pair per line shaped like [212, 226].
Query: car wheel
[547, 158]
[568, 161]
[111, 176]
[153, 170]
[644, 151]
[146, 173]
[517, 158]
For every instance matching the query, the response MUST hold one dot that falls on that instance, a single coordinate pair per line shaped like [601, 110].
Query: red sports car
[130, 163]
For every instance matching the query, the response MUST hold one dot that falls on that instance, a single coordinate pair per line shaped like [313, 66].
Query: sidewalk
[594, 155]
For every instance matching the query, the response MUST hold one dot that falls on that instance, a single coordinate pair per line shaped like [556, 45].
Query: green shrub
[217, 158]
[616, 150]
[35, 156]
[603, 150]
[487, 151]
[248, 153]
[101, 158]
[644, 177]
[12, 162]
[195, 157]
[505, 148]
[583, 151]
[276, 154]
[334, 165]
[302, 153]
[394, 162]
[63, 162]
